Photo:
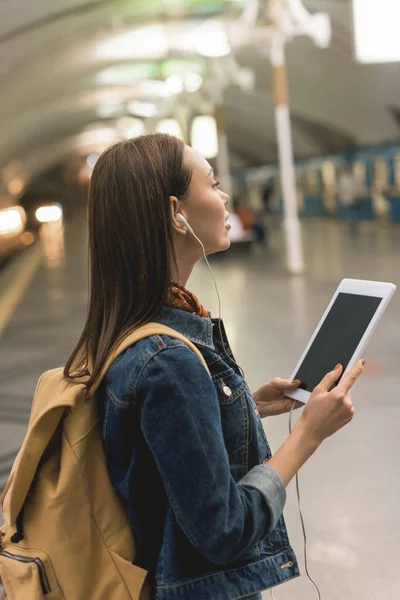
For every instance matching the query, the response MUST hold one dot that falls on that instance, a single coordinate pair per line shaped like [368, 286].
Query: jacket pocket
[26, 577]
[235, 411]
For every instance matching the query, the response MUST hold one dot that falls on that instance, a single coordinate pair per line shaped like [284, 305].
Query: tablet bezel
[375, 289]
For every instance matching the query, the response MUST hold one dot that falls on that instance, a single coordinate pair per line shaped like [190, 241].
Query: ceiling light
[153, 87]
[193, 82]
[108, 109]
[98, 137]
[170, 126]
[130, 127]
[212, 40]
[146, 42]
[127, 73]
[376, 30]
[204, 136]
[142, 108]
[174, 84]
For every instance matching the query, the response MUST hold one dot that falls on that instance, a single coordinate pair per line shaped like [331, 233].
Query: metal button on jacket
[227, 390]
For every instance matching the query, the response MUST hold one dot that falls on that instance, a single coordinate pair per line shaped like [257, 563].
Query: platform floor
[351, 488]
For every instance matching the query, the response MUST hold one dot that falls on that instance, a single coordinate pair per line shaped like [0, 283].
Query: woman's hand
[328, 410]
[270, 400]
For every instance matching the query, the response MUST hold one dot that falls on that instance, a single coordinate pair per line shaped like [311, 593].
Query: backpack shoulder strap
[141, 333]
[54, 395]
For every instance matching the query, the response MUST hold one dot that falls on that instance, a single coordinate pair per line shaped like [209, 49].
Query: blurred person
[349, 193]
[186, 453]
[267, 194]
[250, 220]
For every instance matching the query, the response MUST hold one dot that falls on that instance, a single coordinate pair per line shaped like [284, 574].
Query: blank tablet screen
[338, 338]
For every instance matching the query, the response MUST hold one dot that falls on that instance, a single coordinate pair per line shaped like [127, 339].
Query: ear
[175, 208]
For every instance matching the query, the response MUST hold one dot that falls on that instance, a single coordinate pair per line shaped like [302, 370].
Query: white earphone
[181, 219]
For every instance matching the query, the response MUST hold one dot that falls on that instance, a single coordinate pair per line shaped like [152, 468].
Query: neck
[186, 258]
[182, 271]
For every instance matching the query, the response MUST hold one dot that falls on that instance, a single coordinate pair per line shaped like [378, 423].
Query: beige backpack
[66, 535]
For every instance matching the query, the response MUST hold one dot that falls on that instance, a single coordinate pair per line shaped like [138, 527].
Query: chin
[225, 244]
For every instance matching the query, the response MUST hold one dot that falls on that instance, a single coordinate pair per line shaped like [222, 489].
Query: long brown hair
[130, 242]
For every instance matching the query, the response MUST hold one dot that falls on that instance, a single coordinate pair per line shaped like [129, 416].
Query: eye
[216, 184]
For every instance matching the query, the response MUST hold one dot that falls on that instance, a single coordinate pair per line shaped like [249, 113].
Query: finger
[349, 380]
[329, 379]
[285, 384]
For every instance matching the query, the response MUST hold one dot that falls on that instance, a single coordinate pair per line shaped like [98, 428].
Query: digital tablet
[343, 332]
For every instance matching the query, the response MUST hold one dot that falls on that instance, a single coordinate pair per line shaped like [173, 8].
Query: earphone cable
[290, 421]
[219, 306]
[301, 516]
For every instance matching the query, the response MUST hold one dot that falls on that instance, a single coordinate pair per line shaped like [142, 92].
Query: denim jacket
[186, 454]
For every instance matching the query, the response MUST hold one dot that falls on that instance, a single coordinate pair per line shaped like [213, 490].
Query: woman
[187, 453]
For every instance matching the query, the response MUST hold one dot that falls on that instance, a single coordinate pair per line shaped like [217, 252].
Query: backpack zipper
[44, 582]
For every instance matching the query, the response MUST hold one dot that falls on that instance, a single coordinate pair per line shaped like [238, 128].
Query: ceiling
[52, 82]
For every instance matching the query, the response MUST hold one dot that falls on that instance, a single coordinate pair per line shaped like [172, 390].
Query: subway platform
[350, 488]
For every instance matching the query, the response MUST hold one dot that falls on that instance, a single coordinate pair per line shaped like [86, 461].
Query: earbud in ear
[181, 219]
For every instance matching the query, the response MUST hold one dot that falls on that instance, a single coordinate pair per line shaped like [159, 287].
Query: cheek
[208, 215]
[218, 208]
[214, 221]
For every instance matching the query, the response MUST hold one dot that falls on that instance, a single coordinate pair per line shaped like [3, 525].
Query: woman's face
[205, 206]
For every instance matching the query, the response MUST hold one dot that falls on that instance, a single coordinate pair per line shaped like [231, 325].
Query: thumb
[292, 384]
[285, 384]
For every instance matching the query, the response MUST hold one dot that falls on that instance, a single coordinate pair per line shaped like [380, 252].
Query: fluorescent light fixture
[205, 136]
[193, 82]
[153, 87]
[181, 66]
[98, 137]
[174, 84]
[12, 220]
[188, 82]
[92, 160]
[49, 214]
[114, 76]
[127, 73]
[108, 109]
[171, 126]
[142, 108]
[146, 42]
[376, 30]
[130, 127]
[211, 40]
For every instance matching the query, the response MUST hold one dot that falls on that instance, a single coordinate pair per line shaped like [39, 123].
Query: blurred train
[20, 222]
[47, 198]
[377, 169]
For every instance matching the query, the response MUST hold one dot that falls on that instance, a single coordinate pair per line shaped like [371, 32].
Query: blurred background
[296, 104]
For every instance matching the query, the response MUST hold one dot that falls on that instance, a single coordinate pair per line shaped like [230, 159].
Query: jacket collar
[197, 329]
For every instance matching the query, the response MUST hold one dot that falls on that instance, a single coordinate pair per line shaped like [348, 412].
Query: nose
[225, 198]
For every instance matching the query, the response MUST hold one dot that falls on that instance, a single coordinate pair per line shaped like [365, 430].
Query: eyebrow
[211, 172]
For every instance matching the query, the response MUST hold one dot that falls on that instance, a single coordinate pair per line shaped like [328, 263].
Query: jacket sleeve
[181, 423]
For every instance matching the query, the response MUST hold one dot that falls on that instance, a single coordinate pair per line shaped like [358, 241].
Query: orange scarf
[180, 297]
